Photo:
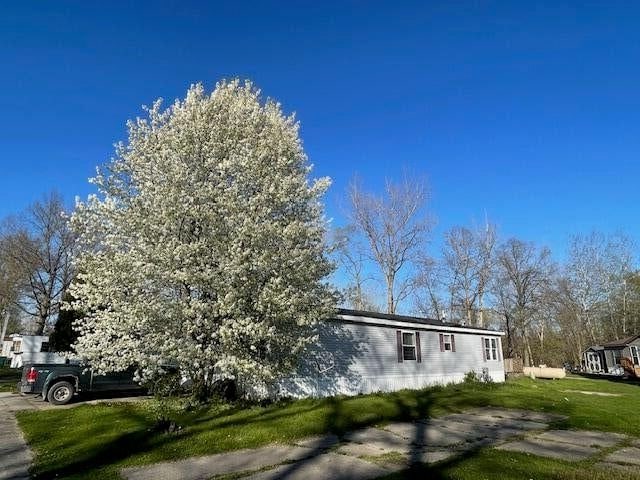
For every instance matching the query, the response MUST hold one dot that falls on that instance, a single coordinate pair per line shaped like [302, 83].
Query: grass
[492, 464]
[96, 441]
[9, 378]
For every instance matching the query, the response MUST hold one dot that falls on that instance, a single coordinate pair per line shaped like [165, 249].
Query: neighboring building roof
[596, 348]
[623, 342]
[387, 319]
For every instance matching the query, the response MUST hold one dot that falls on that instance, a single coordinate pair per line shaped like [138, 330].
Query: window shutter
[442, 342]
[484, 355]
[453, 342]
[418, 351]
[399, 343]
[499, 347]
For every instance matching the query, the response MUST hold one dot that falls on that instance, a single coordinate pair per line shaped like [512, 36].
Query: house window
[17, 345]
[447, 342]
[617, 356]
[44, 347]
[490, 349]
[408, 346]
[635, 355]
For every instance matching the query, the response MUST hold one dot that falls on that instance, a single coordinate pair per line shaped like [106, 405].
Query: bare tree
[352, 262]
[618, 263]
[566, 312]
[428, 285]
[468, 262]
[524, 274]
[597, 290]
[486, 243]
[41, 241]
[587, 283]
[395, 227]
[13, 279]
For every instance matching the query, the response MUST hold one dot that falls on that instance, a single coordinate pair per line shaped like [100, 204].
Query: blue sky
[528, 111]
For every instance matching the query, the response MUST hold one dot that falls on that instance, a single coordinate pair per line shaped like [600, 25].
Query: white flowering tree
[205, 244]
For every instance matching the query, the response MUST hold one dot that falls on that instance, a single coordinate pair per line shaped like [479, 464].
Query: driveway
[15, 454]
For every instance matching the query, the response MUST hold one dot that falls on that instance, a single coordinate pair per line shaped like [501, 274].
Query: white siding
[6, 348]
[36, 357]
[352, 358]
[30, 351]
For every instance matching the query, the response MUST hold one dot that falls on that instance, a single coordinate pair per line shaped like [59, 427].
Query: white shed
[365, 352]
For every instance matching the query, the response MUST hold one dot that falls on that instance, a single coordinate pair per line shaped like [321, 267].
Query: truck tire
[60, 393]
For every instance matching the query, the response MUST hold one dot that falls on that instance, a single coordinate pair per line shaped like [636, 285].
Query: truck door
[113, 381]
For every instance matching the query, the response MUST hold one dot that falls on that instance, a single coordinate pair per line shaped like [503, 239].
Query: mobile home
[365, 352]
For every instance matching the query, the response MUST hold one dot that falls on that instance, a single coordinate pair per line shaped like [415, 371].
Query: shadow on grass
[279, 422]
[143, 440]
[115, 450]
[339, 422]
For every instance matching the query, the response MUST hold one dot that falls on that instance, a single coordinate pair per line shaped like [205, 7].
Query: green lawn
[96, 441]
[9, 377]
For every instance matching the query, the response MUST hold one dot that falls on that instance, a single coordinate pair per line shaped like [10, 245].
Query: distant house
[365, 352]
[608, 357]
[21, 349]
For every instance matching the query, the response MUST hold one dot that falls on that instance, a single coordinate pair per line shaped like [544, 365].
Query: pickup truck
[58, 383]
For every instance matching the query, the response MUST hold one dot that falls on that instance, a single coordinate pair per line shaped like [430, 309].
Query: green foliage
[478, 378]
[9, 377]
[64, 335]
[96, 441]
[470, 377]
[165, 406]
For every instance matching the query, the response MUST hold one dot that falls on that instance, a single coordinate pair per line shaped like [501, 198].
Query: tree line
[551, 311]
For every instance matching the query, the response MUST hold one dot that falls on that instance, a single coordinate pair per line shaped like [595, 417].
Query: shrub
[474, 377]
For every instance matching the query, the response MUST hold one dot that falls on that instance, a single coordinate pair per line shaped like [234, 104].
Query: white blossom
[205, 244]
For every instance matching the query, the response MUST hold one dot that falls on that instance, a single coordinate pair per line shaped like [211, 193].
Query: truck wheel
[60, 393]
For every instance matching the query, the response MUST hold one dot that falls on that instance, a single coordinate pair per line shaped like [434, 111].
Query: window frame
[635, 357]
[617, 356]
[451, 342]
[407, 345]
[490, 349]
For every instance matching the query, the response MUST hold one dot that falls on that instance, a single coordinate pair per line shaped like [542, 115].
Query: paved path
[577, 445]
[374, 452]
[354, 456]
[15, 455]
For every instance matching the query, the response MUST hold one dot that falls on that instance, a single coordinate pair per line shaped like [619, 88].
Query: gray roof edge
[422, 321]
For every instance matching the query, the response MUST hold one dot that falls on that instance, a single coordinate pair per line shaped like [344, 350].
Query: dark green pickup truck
[58, 383]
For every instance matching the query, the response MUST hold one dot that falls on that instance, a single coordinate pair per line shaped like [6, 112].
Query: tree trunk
[509, 337]
[528, 357]
[391, 307]
[41, 321]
